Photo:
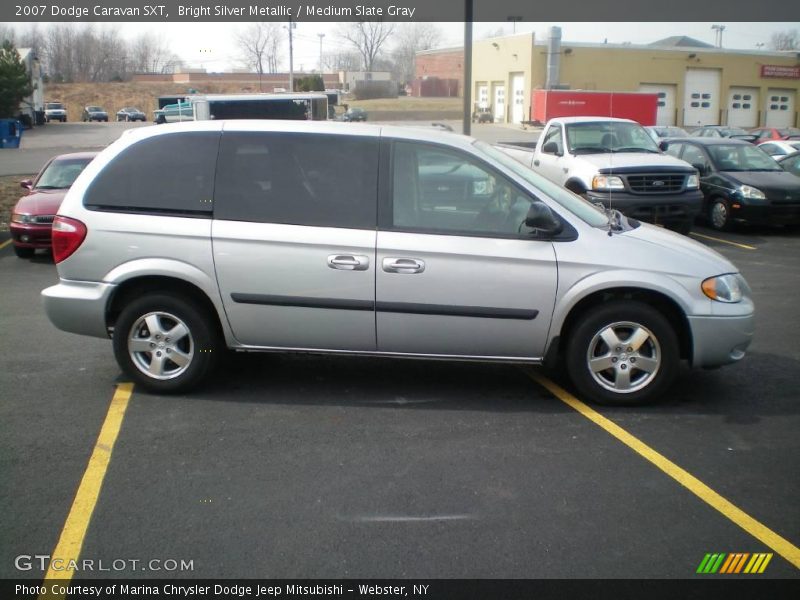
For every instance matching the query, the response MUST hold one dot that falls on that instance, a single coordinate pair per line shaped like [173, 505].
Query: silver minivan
[183, 240]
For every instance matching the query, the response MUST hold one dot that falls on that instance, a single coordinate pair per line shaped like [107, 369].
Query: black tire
[23, 252]
[682, 227]
[719, 214]
[201, 344]
[627, 319]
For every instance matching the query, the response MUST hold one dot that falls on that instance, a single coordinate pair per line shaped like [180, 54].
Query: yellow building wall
[623, 69]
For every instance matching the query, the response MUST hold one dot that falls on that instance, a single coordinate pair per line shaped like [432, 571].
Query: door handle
[348, 262]
[536, 163]
[403, 265]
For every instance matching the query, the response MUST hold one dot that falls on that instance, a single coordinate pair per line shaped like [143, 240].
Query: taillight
[68, 235]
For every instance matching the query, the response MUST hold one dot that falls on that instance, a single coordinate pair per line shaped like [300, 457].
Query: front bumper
[718, 341]
[653, 208]
[766, 214]
[32, 236]
[78, 306]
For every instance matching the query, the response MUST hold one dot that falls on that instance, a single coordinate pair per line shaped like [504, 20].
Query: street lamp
[718, 29]
[321, 35]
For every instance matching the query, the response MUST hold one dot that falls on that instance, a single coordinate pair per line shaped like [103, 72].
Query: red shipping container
[549, 104]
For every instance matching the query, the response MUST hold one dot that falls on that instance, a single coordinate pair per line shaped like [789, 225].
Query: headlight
[692, 182]
[751, 193]
[21, 218]
[607, 182]
[725, 288]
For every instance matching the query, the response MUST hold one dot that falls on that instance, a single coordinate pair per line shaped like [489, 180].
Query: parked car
[740, 183]
[660, 132]
[615, 162]
[355, 114]
[130, 113]
[55, 111]
[94, 113]
[459, 253]
[773, 133]
[483, 114]
[790, 163]
[722, 131]
[32, 217]
[174, 113]
[777, 148]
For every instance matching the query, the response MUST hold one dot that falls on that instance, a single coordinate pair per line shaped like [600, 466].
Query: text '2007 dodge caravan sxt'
[179, 241]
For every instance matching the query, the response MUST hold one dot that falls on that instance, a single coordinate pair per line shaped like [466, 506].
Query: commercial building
[697, 84]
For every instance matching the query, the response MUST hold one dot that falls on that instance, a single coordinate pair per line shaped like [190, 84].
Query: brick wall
[444, 64]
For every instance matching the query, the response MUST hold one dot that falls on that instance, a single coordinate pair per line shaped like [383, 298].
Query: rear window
[298, 179]
[171, 173]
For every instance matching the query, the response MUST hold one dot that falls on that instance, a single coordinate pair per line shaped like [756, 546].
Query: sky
[212, 45]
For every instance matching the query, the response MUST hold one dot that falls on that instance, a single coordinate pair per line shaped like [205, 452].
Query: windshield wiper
[634, 149]
[590, 150]
[49, 187]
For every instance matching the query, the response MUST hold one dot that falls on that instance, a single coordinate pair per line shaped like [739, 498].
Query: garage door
[743, 107]
[701, 98]
[499, 103]
[666, 101]
[483, 95]
[780, 107]
[518, 97]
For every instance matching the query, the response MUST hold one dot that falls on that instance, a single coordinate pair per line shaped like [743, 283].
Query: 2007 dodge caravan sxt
[179, 241]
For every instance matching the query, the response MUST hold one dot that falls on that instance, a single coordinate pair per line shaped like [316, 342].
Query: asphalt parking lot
[304, 466]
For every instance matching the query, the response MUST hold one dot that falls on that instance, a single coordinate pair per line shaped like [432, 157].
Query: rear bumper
[78, 306]
[653, 208]
[718, 341]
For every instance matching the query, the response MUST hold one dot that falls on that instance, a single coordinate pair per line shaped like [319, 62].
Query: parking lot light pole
[467, 117]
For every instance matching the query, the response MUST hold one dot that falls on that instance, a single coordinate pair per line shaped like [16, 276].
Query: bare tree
[342, 61]
[368, 37]
[785, 40]
[149, 53]
[259, 45]
[7, 34]
[412, 38]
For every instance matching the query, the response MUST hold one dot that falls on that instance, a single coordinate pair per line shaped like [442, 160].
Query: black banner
[704, 587]
[396, 10]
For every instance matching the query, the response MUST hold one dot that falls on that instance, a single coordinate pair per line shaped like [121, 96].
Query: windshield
[741, 157]
[594, 137]
[61, 174]
[94, 109]
[54, 105]
[574, 204]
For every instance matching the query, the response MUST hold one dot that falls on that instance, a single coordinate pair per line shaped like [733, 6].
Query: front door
[457, 273]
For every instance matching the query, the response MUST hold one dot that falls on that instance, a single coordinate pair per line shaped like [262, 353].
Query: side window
[439, 190]
[172, 173]
[694, 156]
[554, 136]
[674, 150]
[298, 179]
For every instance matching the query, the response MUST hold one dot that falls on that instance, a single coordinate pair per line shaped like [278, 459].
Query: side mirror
[542, 219]
[26, 183]
[701, 168]
[551, 148]
[663, 146]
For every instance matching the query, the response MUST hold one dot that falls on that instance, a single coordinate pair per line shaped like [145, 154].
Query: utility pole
[467, 122]
[321, 35]
[292, 25]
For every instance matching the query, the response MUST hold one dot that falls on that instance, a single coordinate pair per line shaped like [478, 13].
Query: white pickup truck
[615, 162]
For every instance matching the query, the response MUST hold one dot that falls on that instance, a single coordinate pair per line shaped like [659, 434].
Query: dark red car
[32, 218]
[773, 133]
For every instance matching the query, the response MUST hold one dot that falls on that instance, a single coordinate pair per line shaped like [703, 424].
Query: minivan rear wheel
[623, 352]
[165, 343]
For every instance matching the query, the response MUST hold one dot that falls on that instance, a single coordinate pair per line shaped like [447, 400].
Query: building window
[662, 94]
[773, 107]
[706, 96]
[697, 97]
[784, 99]
[773, 99]
[695, 104]
[747, 97]
[737, 96]
[705, 104]
[661, 104]
[737, 105]
[746, 106]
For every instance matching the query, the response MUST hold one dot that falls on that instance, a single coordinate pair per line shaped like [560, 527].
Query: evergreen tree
[14, 81]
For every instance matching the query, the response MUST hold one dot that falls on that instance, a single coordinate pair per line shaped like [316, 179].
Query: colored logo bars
[737, 562]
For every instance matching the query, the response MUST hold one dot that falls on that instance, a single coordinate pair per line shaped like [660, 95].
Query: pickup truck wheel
[623, 352]
[165, 343]
[719, 214]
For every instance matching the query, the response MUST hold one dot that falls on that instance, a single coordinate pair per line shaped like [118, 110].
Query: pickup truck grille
[656, 184]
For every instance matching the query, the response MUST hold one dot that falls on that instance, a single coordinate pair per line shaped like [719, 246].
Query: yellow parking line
[759, 531]
[737, 244]
[70, 543]
[4, 244]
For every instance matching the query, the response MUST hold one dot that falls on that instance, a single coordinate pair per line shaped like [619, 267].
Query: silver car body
[454, 278]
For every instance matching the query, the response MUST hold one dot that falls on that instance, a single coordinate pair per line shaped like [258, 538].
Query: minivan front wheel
[623, 352]
[165, 343]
